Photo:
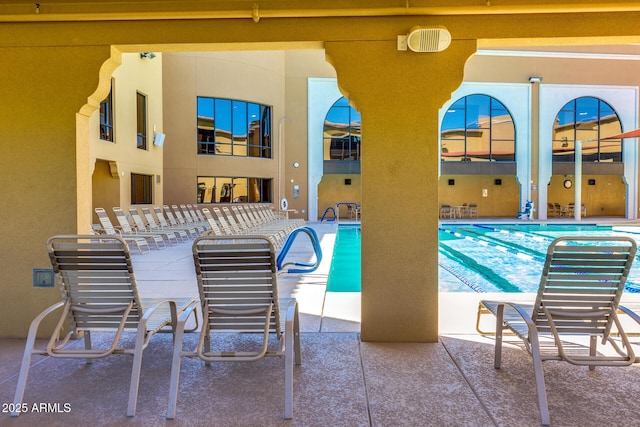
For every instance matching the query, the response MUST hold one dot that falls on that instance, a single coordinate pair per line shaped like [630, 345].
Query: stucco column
[398, 94]
[44, 179]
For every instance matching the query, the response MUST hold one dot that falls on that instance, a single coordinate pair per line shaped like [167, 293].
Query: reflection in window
[233, 128]
[587, 119]
[141, 189]
[342, 132]
[106, 116]
[234, 190]
[477, 128]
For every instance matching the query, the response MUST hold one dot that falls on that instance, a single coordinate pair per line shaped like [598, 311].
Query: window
[477, 128]
[233, 128]
[587, 119]
[342, 132]
[234, 190]
[141, 109]
[106, 116]
[141, 189]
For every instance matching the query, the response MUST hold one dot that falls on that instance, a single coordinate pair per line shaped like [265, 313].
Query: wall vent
[428, 39]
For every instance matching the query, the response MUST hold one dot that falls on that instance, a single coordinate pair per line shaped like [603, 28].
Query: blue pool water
[344, 275]
[477, 257]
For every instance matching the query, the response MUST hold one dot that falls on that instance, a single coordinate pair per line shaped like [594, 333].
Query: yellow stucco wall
[52, 60]
[249, 76]
[134, 75]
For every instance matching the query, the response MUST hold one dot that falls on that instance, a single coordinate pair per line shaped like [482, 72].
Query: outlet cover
[43, 278]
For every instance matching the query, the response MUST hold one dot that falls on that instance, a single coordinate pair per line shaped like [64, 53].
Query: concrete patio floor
[341, 382]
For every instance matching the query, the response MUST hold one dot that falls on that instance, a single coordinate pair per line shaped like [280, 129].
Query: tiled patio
[342, 381]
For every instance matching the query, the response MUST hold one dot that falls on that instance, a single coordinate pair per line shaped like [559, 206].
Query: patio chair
[237, 282]
[157, 238]
[580, 289]
[446, 211]
[215, 228]
[181, 233]
[99, 293]
[107, 228]
[192, 231]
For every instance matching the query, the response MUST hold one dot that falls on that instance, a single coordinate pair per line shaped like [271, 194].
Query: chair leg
[87, 343]
[289, 357]
[22, 379]
[539, 376]
[296, 336]
[175, 365]
[136, 368]
[497, 361]
[593, 347]
[29, 349]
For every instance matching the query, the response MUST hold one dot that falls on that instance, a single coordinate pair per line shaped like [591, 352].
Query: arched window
[587, 119]
[342, 132]
[478, 128]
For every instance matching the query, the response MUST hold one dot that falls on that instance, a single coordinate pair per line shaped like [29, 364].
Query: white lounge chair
[159, 238]
[580, 289]
[108, 229]
[237, 280]
[99, 293]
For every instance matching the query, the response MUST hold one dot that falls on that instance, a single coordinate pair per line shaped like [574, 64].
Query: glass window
[141, 103]
[233, 128]
[218, 189]
[342, 132]
[477, 128]
[206, 134]
[141, 189]
[239, 128]
[106, 116]
[586, 119]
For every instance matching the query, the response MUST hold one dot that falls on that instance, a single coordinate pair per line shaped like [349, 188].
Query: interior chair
[238, 287]
[446, 211]
[472, 210]
[99, 293]
[580, 288]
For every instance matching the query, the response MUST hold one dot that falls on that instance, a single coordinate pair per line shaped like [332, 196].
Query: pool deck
[342, 381]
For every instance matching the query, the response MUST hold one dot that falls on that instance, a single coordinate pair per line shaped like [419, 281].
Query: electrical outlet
[43, 278]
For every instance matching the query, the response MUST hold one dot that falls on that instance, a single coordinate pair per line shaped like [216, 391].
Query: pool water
[344, 275]
[477, 257]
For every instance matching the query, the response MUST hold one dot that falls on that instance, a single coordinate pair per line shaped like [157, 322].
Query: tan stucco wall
[300, 66]
[135, 75]
[501, 201]
[250, 76]
[41, 89]
[51, 68]
[399, 190]
[333, 190]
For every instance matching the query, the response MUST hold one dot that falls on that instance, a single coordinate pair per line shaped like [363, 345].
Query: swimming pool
[344, 275]
[477, 257]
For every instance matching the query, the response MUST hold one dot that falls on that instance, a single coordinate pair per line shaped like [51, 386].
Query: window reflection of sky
[472, 112]
[477, 128]
[342, 131]
[587, 119]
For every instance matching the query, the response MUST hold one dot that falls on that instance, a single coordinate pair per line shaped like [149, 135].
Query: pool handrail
[310, 267]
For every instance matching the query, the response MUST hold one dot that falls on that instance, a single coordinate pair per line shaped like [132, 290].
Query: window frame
[226, 190]
[471, 126]
[349, 145]
[253, 140]
[567, 143]
[146, 183]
